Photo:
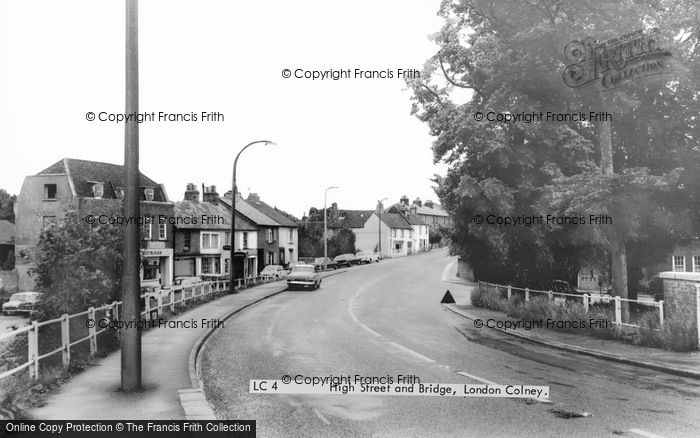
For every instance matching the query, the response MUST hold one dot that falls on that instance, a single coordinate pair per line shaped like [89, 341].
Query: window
[291, 235]
[149, 194]
[270, 258]
[393, 232]
[162, 231]
[270, 235]
[150, 269]
[187, 241]
[210, 240]
[402, 233]
[410, 234]
[120, 193]
[696, 263]
[226, 263]
[48, 221]
[245, 240]
[98, 190]
[206, 265]
[678, 263]
[227, 238]
[147, 228]
[49, 191]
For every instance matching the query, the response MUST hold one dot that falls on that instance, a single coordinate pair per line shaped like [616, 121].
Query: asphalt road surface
[386, 319]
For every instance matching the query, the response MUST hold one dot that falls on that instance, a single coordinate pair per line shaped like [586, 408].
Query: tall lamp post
[231, 279]
[325, 234]
[131, 339]
[379, 216]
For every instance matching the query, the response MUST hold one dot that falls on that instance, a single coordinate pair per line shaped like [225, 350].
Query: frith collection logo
[616, 61]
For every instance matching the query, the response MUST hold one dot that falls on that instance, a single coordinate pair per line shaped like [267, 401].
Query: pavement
[385, 319]
[171, 391]
[685, 364]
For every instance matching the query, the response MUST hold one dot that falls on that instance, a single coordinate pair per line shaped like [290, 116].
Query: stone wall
[681, 291]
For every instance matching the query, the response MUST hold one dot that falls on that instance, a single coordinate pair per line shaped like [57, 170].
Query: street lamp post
[231, 279]
[325, 237]
[379, 216]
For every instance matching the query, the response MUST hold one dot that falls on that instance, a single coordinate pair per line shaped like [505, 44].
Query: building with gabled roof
[278, 231]
[87, 186]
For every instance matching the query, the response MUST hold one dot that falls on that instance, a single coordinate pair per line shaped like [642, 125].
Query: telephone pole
[131, 339]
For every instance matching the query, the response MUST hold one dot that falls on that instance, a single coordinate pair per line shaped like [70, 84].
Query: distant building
[429, 212]
[83, 185]
[402, 234]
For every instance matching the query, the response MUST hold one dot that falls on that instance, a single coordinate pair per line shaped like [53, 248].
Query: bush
[476, 297]
[679, 335]
[649, 333]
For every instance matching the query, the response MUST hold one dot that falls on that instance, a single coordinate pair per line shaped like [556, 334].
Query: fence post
[65, 340]
[585, 302]
[160, 301]
[115, 316]
[147, 302]
[618, 311]
[509, 291]
[92, 332]
[172, 300]
[550, 295]
[527, 294]
[33, 353]
[661, 313]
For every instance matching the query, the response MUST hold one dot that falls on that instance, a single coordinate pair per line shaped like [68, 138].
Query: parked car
[320, 261]
[21, 302]
[186, 281]
[346, 260]
[304, 276]
[273, 272]
[368, 257]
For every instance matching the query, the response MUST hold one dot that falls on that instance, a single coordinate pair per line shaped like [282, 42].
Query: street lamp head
[332, 187]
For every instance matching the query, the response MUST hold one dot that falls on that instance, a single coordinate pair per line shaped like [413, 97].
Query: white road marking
[479, 379]
[412, 353]
[645, 433]
[321, 416]
[447, 268]
[357, 321]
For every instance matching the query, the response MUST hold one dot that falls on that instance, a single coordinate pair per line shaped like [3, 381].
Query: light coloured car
[186, 281]
[303, 276]
[368, 257]
[275, 272]
[21, 302]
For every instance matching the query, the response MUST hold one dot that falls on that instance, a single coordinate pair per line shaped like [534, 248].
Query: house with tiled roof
[278, 231]
[87, 186]
[203, 243]
[400, 234]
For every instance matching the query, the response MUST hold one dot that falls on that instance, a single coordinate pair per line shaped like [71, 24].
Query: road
[385, 319]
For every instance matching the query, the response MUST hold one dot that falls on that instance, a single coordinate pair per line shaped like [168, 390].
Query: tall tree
[510, 58]
[7, 205]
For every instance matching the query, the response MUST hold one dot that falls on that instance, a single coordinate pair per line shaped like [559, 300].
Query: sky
[61, 60]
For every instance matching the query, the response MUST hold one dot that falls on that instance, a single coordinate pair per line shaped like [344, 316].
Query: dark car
[346, 260]
[320, 262]
[303, 276]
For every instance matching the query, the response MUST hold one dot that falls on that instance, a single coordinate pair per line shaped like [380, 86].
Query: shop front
[156, 267]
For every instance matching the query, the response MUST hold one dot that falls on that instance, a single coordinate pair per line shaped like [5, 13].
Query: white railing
[586, 299]
[153, 301]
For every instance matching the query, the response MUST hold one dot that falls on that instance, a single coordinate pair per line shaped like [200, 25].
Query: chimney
[418, 202]
[228, 194]
[404, 200]
[192, 194]
[414, 210]
[429, 203]
[210, 194]
[253, 197]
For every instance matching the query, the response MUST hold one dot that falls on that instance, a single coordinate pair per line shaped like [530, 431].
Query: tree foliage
[509, 55]
[7, 203]
[79, 265]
